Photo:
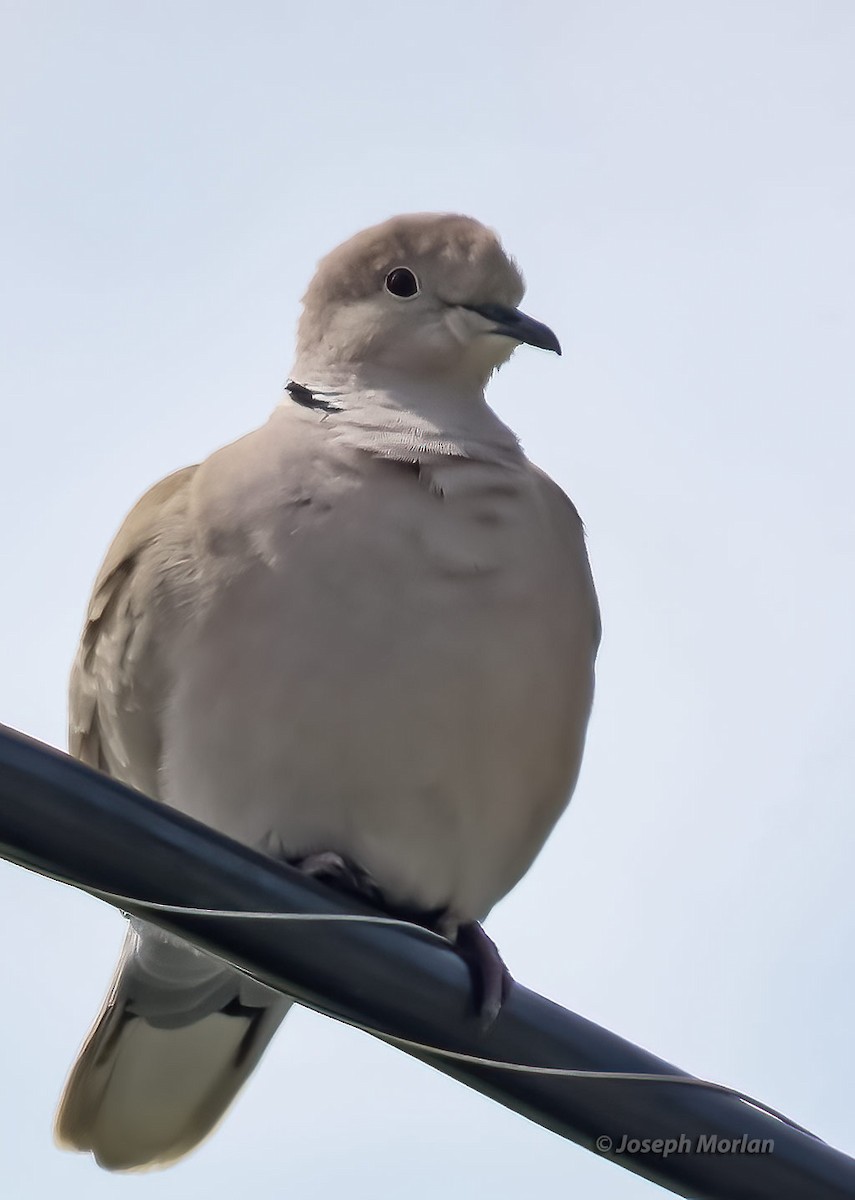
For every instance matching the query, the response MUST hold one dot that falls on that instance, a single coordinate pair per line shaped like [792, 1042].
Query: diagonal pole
[62, 819]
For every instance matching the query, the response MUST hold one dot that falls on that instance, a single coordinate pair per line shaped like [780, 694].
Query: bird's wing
[179, 1031]
[120, 675]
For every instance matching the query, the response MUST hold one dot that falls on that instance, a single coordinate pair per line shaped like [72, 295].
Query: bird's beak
[510, 322]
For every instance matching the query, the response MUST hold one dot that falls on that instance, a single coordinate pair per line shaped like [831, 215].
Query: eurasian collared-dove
[361, 638]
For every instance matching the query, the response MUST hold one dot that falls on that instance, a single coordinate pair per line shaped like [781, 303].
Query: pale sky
[676, 179]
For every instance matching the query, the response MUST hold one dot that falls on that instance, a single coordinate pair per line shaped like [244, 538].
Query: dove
[360, 639]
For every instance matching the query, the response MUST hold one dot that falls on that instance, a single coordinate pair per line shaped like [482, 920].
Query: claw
[490, 977]
[340, 872]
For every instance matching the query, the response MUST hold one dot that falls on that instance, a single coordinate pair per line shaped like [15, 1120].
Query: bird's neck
[402, 417]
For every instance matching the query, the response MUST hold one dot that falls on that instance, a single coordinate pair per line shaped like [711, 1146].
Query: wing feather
[120, 675]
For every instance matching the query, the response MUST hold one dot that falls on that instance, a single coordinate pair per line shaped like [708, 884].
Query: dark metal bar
[62, 819]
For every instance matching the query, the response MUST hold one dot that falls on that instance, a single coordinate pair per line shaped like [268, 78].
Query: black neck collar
[303, 395]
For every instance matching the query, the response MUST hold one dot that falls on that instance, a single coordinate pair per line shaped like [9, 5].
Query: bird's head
[428, 295]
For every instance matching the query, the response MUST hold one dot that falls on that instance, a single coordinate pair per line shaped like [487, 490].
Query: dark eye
[402, 282]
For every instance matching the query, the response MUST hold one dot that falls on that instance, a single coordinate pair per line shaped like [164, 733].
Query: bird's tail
[178, 1035]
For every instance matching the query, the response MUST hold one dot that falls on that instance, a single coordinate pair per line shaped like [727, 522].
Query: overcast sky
[676, 180]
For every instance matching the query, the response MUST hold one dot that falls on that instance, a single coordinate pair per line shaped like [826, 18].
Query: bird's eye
[402, 283]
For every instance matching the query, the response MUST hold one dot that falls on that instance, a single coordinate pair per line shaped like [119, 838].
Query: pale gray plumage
[367, 627]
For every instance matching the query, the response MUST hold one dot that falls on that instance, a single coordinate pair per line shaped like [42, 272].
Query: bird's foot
[339, 872]
[491, 979]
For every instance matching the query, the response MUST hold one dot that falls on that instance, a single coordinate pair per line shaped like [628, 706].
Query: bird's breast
[394, 667]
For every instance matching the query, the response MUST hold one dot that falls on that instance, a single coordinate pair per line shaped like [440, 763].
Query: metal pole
[64, 820]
